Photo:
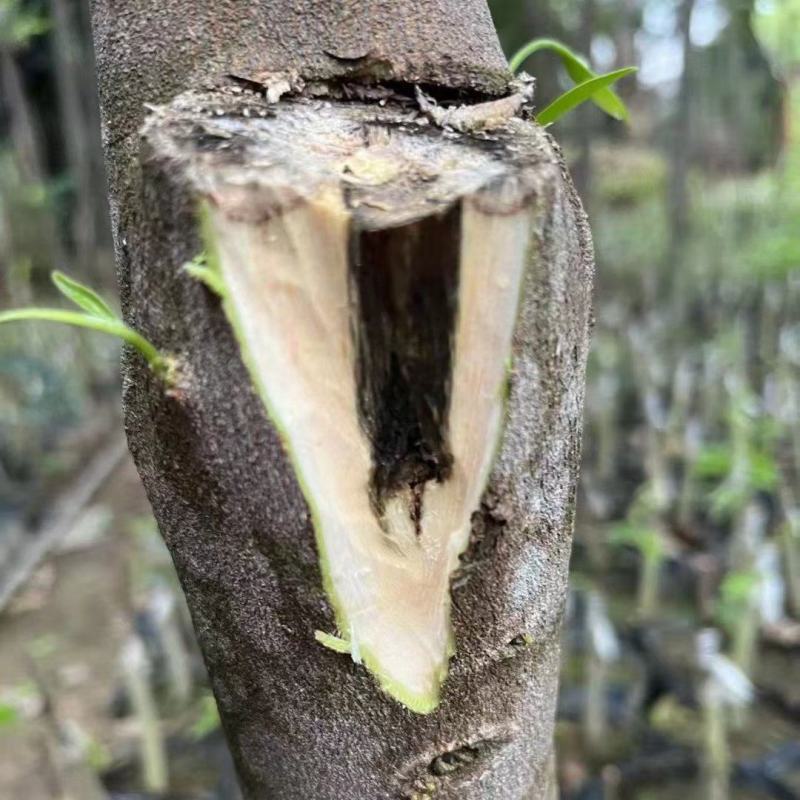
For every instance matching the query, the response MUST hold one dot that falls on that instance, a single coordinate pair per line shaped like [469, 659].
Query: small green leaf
[739, 586]
[18, 25]
[199, 268]
[208, 718]
[8, 715]
[713, 461]
[82, 296]
[606, 99]
[98, 756]
[333, 642]
[580, 94]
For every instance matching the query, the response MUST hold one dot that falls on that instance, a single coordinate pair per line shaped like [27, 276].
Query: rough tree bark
[303, 721]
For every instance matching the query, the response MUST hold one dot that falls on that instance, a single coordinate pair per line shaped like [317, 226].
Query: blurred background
[681, 657]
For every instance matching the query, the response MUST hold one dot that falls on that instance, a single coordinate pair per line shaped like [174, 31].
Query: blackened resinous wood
[405, 281]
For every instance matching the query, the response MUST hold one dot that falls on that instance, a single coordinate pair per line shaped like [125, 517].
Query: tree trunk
[388, 229]
[680, 155]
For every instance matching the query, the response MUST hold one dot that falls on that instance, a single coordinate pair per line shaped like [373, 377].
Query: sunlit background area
[681, 650]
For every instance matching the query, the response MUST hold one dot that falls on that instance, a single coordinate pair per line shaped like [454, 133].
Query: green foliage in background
[645, 539]
[18, 25]
[716, 461]
[736, 595]
[207, 720]
[777, 25]
[9, 716]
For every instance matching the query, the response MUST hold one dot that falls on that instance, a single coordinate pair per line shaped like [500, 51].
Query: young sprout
[589, 85]
[746, 465]
[738, 612]
[95, 315]
[580, 94]
[200, 269]
[724, 689]
[692, 445]
[748, 591]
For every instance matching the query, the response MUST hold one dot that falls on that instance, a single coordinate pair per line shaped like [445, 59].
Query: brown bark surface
[304, 722]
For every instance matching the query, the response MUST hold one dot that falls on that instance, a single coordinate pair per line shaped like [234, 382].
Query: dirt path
[63, 631]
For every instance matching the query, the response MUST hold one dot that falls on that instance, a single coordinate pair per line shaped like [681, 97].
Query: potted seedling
[603, 649]
[642, 531]
[137, 671]
[724, 688]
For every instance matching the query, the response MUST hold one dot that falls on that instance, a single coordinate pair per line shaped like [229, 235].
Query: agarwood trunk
[302, 721]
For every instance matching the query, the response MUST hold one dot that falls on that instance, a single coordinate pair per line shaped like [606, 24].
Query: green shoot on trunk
[96, 315]
[589, 85]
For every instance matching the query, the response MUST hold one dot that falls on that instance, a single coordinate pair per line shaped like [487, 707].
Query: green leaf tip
[603, 96]
[96, 315]
[83, 297]
[207, 720]
[9, 715]
[333, 642]
[580, 94]
[534, 46]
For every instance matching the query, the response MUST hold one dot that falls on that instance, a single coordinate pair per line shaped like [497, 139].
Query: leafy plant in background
[18, 25]
[641, 532]
[737, 610]
[9, 716]
[725, 692]
[735, 595]
[745, 464]
[95, 315]
[207, 717]
[588, 85]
